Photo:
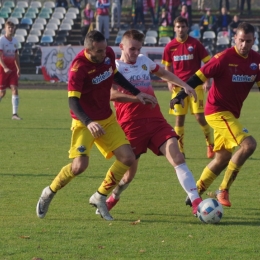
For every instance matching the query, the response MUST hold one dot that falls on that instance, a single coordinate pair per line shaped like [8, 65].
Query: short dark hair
[133, 34]
[9, 23]
[180, 19]
[246, 28]
[93, 36]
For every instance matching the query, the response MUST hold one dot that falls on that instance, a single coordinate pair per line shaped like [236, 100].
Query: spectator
[61, 3]
[165, 19]
[184, 12]
[76, 3]
[223, 20]
[233, 26]
[150, 5]
[173, 8]
[188, 3]
[207, 22]
[115, 14]
[102, 18]
[248, 6]
[87, 18]
[139, 12]
[201, 5]
[220, 5]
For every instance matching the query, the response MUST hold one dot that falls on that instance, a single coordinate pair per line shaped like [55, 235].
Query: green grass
[33, 151]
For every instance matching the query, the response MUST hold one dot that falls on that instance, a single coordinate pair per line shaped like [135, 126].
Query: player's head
[95, 45]
[244, 38]
[181, 27]
[9, 28]
[131, 45]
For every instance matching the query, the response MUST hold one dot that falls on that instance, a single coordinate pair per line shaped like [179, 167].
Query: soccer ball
[210, 211]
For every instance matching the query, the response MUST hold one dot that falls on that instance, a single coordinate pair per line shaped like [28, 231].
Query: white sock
[15, 103]
[119, 189]
[187, 181]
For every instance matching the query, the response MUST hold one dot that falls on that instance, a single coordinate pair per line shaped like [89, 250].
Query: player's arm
[95, 128]
[193, 81]
[116, 95]
[17, 63]
[76, 108]
[173, 79]
[124, 83]
[6, 69]
[170, 86]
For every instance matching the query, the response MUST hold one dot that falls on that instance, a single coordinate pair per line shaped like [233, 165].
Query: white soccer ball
[210, 211]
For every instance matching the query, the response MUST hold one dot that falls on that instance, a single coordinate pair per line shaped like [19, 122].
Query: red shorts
[149, 133]
[8, 79]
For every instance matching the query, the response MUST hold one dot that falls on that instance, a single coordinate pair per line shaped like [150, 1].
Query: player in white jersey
[9, 66]
[144, 125]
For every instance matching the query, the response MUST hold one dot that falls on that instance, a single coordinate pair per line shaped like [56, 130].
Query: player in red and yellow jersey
[91, 75]
[234, 71]
[9, 66]
[184, 55]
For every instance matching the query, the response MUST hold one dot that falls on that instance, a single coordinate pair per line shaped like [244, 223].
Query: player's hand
[18, 73]
[96, 129]
[147, 99]
[190, 92]
[206, 86]
[7, 70]
[175, 101]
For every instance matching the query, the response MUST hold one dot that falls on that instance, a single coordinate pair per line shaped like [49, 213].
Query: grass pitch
[151, 220]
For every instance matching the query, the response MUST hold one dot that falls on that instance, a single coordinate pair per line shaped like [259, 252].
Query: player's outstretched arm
[124, 83]
[193, 81]
[173, 79]
[116, 95]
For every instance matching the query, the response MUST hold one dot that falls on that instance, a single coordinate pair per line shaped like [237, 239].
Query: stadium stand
[36, 18]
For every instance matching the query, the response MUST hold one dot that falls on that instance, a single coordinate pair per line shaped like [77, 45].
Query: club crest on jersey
[103, 76]
[144, 67]
[126, 70]
[81, 148]
[190, 48]
[107, 61]
[245, 130]
[253, 66]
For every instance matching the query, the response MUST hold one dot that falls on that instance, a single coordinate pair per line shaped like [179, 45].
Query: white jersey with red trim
[139, 75]
[9, 49]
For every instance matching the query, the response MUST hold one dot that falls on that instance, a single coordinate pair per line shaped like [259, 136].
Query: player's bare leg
[179, 129]
[2, 94]
[207, 131]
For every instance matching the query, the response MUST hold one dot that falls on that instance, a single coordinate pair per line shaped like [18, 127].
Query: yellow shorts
[195, 108]
[82, 140]
[228, 131]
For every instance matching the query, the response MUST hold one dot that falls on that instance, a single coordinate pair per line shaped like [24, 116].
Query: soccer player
[183, 55]
[234, 71]
[9, 66]
[146, 128]
[91, 75]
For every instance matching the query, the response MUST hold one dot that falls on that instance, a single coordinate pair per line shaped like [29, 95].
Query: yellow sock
[230, 175]
[180, 132]
[206, 129]
[63, 178]
[205, 180]
[114, 175]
